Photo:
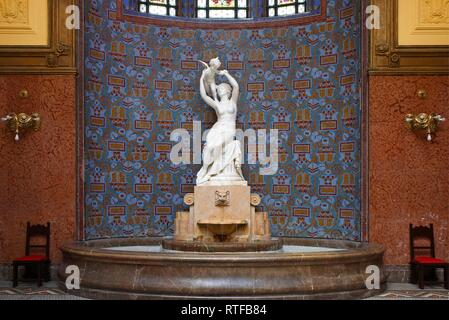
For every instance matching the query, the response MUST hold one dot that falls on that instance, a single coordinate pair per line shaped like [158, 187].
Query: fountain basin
[113, 269]
[273, 244]
[222, 227]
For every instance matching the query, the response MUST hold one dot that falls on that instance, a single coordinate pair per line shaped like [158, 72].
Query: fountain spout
[222, 228]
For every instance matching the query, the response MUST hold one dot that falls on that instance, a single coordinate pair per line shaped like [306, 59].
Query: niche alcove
[300, 74]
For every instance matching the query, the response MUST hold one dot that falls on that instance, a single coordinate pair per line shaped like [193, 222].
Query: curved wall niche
[140, 78]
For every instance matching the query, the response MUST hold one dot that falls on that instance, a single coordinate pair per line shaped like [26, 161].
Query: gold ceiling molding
[423, 22]
[23, 22]
[426, 53]
[14, 11]
[434, 11]
[24, 50]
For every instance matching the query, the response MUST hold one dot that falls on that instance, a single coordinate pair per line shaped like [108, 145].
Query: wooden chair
[42, 262]
[422, 263]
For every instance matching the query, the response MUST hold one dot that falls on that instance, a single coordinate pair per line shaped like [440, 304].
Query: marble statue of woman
[221, 153]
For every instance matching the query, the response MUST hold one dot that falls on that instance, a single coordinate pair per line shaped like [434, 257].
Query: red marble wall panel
[409, 177]
[38, 174]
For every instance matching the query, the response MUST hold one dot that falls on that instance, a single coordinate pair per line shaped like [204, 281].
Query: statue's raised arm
[211, 102]
[234, 84]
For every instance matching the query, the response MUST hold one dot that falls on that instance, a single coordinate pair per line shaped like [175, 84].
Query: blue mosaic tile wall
[140, 85]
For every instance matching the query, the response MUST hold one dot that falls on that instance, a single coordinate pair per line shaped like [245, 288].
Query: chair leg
[446, 278]
[421, 276]
[15, 271]
[414, 274]
[47, 271]
[39, 274]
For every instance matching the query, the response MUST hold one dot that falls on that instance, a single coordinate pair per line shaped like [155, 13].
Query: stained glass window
[158, 7]
[286, 7]
[222, 9]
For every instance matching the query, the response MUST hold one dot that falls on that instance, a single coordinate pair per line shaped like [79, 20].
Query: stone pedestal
[221, 213]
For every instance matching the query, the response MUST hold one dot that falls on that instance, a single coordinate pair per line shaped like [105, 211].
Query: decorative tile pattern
[140, 85]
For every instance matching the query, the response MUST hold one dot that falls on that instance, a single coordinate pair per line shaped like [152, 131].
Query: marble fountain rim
[108, 274]
[98, 250]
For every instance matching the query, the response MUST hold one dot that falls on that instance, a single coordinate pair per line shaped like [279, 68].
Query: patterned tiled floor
[413, 295]
[395, 291]
[30, 291]
[406, 291]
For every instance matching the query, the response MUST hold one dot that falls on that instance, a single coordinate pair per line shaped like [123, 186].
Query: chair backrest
[38, 231]
[422, 232]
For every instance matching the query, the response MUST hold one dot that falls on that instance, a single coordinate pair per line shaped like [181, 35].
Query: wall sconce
[17, 122]
[424, 122]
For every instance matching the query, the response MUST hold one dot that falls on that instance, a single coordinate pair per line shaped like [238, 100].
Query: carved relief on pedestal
[255, 200]
[222, 199]
[189, 199]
